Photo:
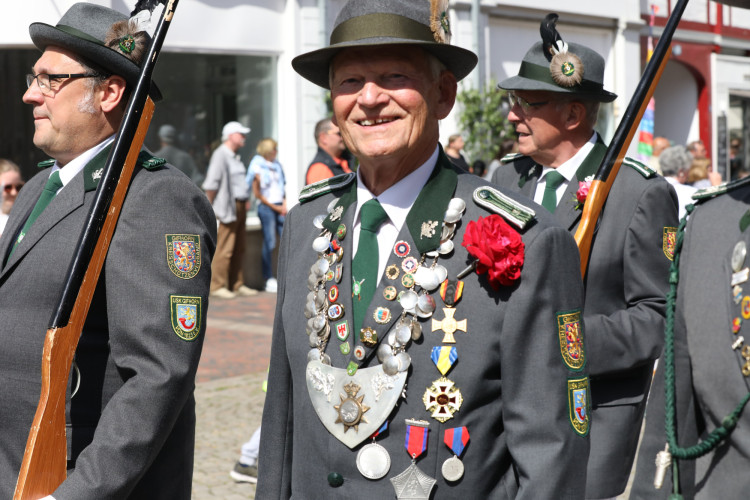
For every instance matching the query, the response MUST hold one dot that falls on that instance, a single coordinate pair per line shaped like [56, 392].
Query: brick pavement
[228, 392]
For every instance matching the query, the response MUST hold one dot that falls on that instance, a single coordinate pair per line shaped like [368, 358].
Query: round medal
[333, 293]
[390, 292]
[738, 256]
[408, 280]
[373, 461]
[409, 264]
[382, 315]
[391, 272]
[335, 311]
[359, 352]
[401, 248]
[453, 469]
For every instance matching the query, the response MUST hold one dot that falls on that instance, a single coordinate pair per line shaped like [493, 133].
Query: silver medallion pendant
[738, 256]
[373, 461]
[413, 484]
[453, 469]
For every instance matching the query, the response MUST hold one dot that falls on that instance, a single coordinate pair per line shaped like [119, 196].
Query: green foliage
[484, 120]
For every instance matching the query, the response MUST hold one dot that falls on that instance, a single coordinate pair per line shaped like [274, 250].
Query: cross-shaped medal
[449, 325]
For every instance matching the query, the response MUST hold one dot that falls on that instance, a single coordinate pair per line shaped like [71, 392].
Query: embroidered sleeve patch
[186, 313]
[184, 254]
[570, 335]
[669, 241]
[578, 405]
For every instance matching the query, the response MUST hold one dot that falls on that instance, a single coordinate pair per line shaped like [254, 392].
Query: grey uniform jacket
[708, 371]
[131, 424]
[625, 284]
[509, 371]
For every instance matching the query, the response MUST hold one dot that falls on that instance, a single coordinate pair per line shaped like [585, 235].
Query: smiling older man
[555, 100]
[428, 336]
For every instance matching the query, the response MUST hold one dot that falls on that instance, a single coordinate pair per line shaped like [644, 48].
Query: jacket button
[335, 479]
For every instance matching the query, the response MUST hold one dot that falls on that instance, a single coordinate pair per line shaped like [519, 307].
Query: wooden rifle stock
[44, 463]
[607, 172]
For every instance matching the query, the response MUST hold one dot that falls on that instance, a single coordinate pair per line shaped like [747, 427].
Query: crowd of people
[455, 345]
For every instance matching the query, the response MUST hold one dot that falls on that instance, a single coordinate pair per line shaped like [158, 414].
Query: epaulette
[510, 157]
[150, 162]
[710, 192]
[46, 163]
[639, 167]
[312, 191]
[495, 201]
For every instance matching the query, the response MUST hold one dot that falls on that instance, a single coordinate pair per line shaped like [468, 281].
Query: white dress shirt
[567, 170]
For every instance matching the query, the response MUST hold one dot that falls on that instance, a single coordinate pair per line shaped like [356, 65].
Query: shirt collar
[76, 165]
[570, 167]
[398, 199]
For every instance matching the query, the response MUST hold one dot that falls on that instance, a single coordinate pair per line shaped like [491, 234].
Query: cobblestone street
[228, 393]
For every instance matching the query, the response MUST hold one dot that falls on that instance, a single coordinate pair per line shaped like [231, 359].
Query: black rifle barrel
[111, 174]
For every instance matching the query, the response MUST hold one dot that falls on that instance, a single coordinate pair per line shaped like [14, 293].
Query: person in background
[507, 147]
[660, 144]
[11, 183]
[697, 149]
[701, 174]
[675, 162]
[478, 167]
[330, 160]
[176, 156]
[228, 193]
[266, 177]
[454, 151]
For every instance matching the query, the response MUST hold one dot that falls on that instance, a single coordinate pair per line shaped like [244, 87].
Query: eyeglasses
[525, 105]
[45, 81]
[7, 188]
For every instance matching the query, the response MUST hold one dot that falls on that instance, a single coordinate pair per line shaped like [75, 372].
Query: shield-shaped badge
[186, 313]
[184, 254]
[570, 335]
[669, 241]
[578, 404]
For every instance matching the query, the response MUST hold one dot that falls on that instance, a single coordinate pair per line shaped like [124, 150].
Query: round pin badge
[392, 272]
[359, 352]
[409, 264]
[341, 232]
[335, 311]
[333, 294]
[390, 292]
[401, 248]
[407, 280]
[382, 315]
[373, 461]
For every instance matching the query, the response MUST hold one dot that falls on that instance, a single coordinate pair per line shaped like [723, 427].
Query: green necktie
[553, 181]
[365, 263]
[48, 193]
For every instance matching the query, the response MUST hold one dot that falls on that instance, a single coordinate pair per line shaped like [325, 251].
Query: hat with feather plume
[378, 23]
[85, 30]
[556, 66]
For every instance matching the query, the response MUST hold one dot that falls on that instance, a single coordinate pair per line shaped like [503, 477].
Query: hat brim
[314, 66]
[523, 83]
[44, 35]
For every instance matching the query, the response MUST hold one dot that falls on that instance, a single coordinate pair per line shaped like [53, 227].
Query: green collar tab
[46, 163]
[495, 201]
[425, 219]
[639, 167]
[381, 25]
[312, 191]
[712, 191]
[510, 157]
[93, 171]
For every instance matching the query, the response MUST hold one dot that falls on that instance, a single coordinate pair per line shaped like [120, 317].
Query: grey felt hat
[82, 30]
[373, 23]
[535, 74]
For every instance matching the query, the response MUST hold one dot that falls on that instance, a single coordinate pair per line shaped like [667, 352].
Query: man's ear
[576, 115]
[112, 92]
[447, 88]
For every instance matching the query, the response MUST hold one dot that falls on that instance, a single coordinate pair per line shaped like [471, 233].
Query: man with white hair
[675, 162]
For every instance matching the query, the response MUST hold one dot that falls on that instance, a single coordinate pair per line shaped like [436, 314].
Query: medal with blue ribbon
[444, 357]
[455, 439]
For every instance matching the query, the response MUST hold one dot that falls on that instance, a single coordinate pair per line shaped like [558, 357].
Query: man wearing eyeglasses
[555, 101]
[130, 409]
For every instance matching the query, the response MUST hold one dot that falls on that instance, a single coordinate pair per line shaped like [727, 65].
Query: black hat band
[79, 34]
[542, 74]
[381, 26]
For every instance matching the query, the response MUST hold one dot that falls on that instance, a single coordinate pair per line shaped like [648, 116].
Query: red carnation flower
[498, 249]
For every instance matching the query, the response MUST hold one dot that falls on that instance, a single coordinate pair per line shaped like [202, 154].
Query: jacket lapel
[567, 213]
